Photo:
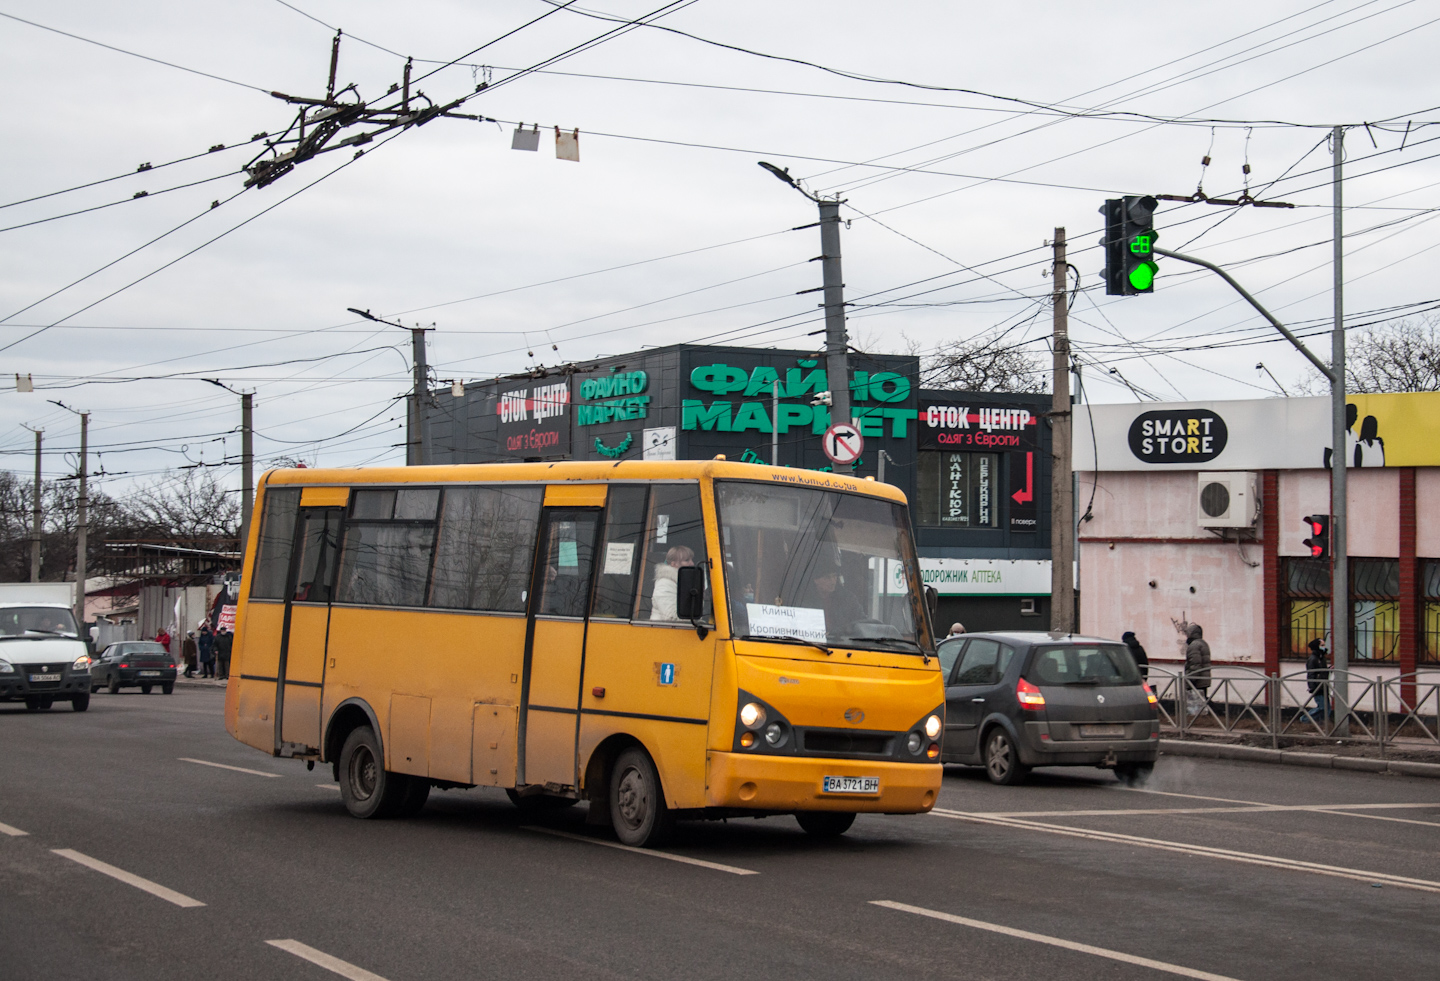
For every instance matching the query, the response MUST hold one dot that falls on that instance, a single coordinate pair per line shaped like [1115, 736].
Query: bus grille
[841, 741]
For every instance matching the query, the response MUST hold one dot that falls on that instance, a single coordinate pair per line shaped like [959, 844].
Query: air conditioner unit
[1227, 500]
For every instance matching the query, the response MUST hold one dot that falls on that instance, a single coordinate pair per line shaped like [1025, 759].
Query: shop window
[1375, 595]
[1430, 612]
[1306, 605]
[959, 490]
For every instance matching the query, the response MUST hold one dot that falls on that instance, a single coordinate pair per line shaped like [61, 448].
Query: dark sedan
[1018, 700]
[132, 663]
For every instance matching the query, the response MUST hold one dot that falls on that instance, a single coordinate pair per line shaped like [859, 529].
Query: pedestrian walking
[1142, 662]
[1197, 669]
[1317, 679]
[206, 644]
[224, 642]
[188, 651]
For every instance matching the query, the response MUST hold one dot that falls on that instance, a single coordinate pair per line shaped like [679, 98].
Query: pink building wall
[1373, 514]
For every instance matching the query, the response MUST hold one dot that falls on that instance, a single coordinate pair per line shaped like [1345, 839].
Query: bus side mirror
[689, 592]
[932, 600]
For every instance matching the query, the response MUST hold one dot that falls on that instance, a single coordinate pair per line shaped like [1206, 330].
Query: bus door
[555, 647]
[301, 672]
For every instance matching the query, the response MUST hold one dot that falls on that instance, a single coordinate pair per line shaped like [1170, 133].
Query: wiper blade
[887, 640]
[786, 639]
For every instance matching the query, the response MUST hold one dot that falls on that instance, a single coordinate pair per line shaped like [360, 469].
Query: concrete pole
[1339, 460]
[1062, 504]
[417, 452]
[247, 465]
[837, 361]
[81, 526]
[35, 516]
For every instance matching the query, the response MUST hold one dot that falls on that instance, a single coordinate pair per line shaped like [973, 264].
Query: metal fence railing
[1348, 706]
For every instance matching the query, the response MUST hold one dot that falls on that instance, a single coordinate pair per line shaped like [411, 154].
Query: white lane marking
[1257, 808]
[13, 832]
[227, 766]
[1205, 851]
[329, 786]
[129, 878]
[1377, 817]
[1171, 793]
[1040, 938]
[652, 853]
[319, 957]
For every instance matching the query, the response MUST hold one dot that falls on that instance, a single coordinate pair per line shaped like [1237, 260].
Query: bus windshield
[821, 567]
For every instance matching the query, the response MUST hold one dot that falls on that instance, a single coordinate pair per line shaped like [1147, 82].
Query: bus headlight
[775, 735]
[933, 725]
[747, 739]
[752, 716]
[914, 744]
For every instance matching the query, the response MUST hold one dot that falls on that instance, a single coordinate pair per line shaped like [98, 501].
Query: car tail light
[1150, 695]
[1028, 695]
[124, 665]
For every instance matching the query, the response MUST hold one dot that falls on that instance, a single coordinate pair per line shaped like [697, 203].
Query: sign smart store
[873, 395]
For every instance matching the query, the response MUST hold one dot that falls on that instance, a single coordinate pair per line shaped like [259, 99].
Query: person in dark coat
[1317, 673]
[1197, 669]
[224, 643]
[1138, 653]
[188, 651]
[206, 644]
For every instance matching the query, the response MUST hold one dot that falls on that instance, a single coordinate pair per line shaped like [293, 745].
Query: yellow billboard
[1393, 430]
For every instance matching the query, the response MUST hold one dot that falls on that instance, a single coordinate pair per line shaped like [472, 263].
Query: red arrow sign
[1028, 494]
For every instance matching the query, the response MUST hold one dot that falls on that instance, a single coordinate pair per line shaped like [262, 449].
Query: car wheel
[1134, 774]
[366, 787]
[540, 802]
[80, 703]
[637, 803]
[825, 824]
[114, 686]
[168, 687]
[144, 689]
[1002, 761]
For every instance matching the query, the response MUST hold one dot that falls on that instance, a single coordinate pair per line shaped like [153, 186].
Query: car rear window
[1083, 664]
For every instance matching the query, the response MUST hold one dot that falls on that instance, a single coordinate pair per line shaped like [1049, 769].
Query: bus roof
[581, 470]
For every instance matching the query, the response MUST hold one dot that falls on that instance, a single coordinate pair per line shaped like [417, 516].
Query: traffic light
[1319, 540]
[1129, 243]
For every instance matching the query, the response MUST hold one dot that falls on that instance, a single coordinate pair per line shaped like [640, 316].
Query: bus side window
[674, 537]
[619, 558]
[486, 547]
[277, 536]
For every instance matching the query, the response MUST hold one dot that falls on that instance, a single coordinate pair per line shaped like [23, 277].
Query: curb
[1254, 754]
[199, 683]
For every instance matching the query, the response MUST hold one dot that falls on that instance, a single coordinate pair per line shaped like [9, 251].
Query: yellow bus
[678, 639]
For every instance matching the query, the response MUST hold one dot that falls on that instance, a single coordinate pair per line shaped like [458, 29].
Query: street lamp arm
[1323, 368]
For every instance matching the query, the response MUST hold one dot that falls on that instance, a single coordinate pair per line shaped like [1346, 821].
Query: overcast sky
[666, 230]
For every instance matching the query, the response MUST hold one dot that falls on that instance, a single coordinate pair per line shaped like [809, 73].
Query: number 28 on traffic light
[1129, 245]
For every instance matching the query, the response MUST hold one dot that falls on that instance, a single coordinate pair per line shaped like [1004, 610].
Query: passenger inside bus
[829, 592]
[663, 599]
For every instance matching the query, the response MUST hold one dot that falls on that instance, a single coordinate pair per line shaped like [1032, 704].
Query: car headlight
[752, 715]
[933, 725]
[6, 667]
[82, 663]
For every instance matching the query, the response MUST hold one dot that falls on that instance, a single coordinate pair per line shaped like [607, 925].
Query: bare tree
[190, 504]
[1399, 356]
[979, 365]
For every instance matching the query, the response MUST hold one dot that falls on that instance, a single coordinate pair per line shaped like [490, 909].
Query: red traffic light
[1319, 540]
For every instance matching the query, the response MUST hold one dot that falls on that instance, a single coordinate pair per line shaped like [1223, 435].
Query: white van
[42, 656]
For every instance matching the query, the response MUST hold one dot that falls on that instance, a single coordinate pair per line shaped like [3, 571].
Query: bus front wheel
[637, 803]
[366, 787]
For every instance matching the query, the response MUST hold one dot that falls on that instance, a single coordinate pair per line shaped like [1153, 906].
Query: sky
[959, 136]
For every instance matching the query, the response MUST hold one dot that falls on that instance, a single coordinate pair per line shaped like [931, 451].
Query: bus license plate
[1112, 729]
[852, 785]
[149, 674]
[44, 677]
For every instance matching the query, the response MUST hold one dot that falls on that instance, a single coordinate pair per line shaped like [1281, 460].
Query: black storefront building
[976, 467]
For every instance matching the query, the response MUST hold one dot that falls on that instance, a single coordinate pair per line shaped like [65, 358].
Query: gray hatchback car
[1018, 700]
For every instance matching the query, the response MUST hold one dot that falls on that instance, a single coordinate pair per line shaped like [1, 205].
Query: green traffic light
[1142, 277]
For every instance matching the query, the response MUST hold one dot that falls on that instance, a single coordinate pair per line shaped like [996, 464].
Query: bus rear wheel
[637, 803]
[825, 824]
[366, 787]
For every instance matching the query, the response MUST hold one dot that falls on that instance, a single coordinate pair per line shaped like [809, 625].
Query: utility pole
[1339, 462]
[418, 451]
[81, 526]
[417, 426]
[247, 465]
[1062, 505]
[837, 345]
[35, 513]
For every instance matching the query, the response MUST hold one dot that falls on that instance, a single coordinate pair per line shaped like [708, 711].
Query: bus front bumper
[788, 783]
